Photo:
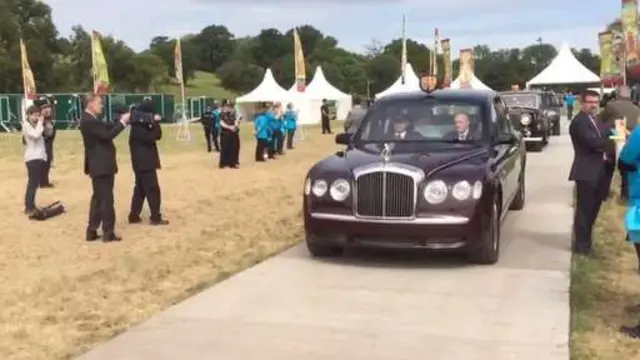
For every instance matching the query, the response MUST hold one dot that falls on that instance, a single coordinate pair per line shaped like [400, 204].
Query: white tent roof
[475, 83]
[268, 90]
[320, 88]
[564, 69]
[411, 83]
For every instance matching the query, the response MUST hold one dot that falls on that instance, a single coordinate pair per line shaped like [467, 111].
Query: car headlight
[307, 186]
[461, 190]
[476, 192]
[435, 192]
[319, 188]
[340, 190]
[525, 119]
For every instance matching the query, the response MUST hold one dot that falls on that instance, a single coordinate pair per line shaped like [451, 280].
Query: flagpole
[93, 61]
[183, 130]
[403, 62]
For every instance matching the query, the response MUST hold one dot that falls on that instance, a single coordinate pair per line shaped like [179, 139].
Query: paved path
[401, 307]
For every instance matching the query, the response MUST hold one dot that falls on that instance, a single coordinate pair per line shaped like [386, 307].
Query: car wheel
[488, 251]
[322, 250]
[556, 128]
[520, 199]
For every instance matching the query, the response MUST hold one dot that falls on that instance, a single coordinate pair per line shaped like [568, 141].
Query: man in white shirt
[461, 123]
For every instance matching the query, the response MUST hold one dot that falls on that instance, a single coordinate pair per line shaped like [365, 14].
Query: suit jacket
[99, 150]
[409, 136]
[354, 119]
[143, 146]
[454, 135]
[590, 142]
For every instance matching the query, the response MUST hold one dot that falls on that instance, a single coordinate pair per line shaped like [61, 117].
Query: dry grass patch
[601, 288]
[61, 295]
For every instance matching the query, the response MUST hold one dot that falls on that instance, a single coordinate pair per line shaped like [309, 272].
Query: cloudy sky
[498, 23]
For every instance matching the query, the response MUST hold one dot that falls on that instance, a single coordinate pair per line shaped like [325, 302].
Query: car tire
[520, 199]
[322, 250]
[556, 128]
[488, 251]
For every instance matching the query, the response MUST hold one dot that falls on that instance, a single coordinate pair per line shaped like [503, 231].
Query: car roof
[532, 92]
[443, 94]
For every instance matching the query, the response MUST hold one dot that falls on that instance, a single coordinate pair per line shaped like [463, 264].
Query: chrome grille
[385, 194]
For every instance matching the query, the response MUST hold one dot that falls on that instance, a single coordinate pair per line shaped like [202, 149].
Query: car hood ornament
[386, 152]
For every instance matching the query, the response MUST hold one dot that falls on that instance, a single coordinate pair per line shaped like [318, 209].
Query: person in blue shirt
[569, 101]
[262, 131]
[276, 131]
[215, 127]
[290, 120]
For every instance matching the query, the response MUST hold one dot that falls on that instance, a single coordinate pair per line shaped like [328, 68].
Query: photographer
[145, 160]
[206, 119]
[35, 155]
[46, 110]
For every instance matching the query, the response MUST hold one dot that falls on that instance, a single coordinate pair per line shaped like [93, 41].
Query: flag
[446, 57]
[466, 68]
[629, 24]
[28, 82]
[606, 58]
[403, 60]
[177, 59]
[436, 42]
[300, 68]
[101, 84]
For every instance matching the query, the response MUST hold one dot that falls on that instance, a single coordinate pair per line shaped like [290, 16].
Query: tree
[418, 54]
[150, 71]
[164, 48]
[240, 77]
[269, 46]
[382, 71]
[214, 46]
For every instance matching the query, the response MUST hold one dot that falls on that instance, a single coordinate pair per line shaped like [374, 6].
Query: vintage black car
[535, 114]
[426, 170]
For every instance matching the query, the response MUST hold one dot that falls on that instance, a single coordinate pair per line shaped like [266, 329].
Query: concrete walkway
[367, 306]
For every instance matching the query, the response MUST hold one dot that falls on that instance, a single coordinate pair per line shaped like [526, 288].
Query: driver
[462, 132]
[401, 130]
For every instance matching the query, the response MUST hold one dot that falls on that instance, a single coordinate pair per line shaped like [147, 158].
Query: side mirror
[506, 139]
[343, 139]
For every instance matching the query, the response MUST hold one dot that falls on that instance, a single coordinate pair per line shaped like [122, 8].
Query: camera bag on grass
[48, 212]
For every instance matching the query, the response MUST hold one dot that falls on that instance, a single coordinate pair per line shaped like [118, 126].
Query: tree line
[63, 64]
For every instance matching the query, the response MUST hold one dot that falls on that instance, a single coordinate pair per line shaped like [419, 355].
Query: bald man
[462, 132]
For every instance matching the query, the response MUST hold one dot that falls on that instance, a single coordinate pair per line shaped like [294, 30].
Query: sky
[355, 23]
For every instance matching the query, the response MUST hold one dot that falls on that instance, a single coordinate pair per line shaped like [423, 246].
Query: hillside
[203, 84]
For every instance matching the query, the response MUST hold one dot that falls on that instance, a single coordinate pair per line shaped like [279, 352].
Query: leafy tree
[269, 46]
[164, 48]
[239, 76]
[214, 45]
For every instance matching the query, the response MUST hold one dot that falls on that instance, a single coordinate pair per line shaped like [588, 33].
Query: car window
[501, 116]
[525, 100]
[423, 120]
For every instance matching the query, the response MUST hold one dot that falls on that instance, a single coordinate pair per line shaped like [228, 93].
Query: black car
[432, 170]
[535, 114]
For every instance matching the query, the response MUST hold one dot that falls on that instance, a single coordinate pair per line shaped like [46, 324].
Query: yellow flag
[101, 85]
[466, 68]
[28, 81]
[300, 69]
[177, 59]
[446, 57]
[606, 57]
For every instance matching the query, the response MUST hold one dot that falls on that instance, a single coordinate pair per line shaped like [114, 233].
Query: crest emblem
[386, 153]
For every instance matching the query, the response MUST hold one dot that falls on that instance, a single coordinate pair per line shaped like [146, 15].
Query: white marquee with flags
[319, 88]
[268, 90]
[475, 84]
[411, 83]
[564, 69]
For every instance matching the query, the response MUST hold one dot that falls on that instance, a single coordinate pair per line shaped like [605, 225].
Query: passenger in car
[462, 130]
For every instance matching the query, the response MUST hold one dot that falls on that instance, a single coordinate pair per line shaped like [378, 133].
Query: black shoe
[134, 219]
[631, 331]
[92, 235]
[28, 212]
[111, 237]
[48, 185]
[159, 222]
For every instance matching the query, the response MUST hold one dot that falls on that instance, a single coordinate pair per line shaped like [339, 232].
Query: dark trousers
[215, 134]
[146, 187]
[290, 134]
[261, 147]
[279, 142]
[35, 168]
[101, 209]
[207, 137]
[624, 183]
[271, 148]
[609, 171]
[589, 196]
[229, 148]
[569, 112]
[326, 126]
[47, 166]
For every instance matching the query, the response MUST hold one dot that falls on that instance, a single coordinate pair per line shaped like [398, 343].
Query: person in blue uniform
[290, 124]
[215, 127]
[277, 136]
[262, 130]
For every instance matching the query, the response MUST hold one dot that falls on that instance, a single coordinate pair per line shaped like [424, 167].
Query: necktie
[461, 136]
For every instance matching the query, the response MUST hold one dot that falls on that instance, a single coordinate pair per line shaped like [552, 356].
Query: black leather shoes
[92, 235]
[135, 220]
[159, 222]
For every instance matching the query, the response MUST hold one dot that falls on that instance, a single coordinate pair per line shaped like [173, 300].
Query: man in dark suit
[354, 117]
[588, 170]
[145, 160]
[462, 131]
[206, 119]
[100, 164]
[324, 116]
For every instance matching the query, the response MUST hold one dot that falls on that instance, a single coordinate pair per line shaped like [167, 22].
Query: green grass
[203, 84]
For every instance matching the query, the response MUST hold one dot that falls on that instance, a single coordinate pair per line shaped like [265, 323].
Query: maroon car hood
[428, 161]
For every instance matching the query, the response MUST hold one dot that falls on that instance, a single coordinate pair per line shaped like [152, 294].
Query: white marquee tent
[268, 90]
[319, 88]
[411, 83]
[475, 83]
[564, 69]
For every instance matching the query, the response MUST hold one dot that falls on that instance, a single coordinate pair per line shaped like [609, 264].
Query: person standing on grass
[101, 165]
[35, 155]
[569, 102]
[262, 131]
[229, 138]
[277, 130]
[206, 119]
[46, 110]
[324, 115]
[290, 124]
[215, 126]
[273, 113]
[354, 117]
[590, 141]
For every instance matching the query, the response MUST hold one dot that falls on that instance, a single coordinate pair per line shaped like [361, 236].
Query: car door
[509, 160]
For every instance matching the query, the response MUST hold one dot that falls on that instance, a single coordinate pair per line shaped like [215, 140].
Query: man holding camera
[145, 160]
[46, 110]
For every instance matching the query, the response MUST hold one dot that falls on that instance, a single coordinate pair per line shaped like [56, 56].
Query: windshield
[525, 100]
[423, 120]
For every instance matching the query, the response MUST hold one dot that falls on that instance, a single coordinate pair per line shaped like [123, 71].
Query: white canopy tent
[268, 90]
[564, 69]
[307, 114]
[411, 83]
[319, 88]
[475, 84]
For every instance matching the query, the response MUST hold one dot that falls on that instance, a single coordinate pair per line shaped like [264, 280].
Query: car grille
[385, 194]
